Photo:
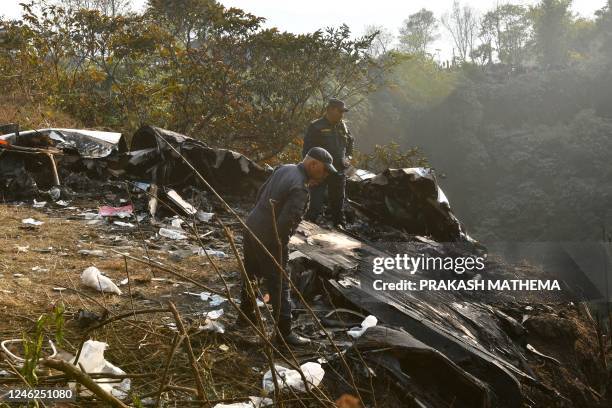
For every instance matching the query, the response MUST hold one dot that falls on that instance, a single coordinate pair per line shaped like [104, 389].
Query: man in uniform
[330, 132]
[287, 189]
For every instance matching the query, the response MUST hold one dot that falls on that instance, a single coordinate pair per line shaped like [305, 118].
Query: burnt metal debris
[438, 348]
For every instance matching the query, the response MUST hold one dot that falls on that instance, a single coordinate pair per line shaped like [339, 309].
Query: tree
[507, 29]
[203, 70]
[552, 20]
[418, 32]
[382, 42]
[107, 7]
[462, 24]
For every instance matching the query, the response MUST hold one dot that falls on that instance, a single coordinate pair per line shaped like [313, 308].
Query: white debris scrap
[212, 326]
[204, 216]
[202, 295]
[92, 361]
[32, 221]
[92, 252]
[39, 204]
[172, 234]
[368, 322]
[123, 224]
[211, 252]
[214, 314]
[216, 300]
[313, 372]
[93, 278]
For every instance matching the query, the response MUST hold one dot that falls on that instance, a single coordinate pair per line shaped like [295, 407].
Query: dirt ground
[40, 268]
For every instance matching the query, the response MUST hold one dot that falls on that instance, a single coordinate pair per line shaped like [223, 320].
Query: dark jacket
[287, 187]
[336, 139]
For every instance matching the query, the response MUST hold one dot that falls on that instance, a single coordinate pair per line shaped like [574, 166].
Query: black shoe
[294, 339]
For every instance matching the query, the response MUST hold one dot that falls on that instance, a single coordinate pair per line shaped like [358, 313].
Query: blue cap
[322, 155]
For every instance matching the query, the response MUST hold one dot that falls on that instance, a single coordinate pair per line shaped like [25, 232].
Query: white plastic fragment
[254, 402]
[216, 300]
[92, 360]
[92, 252]
[93, 278]
[172, 234]
[204, 216]
[176, 223]
[368, 322]
[212, 326]
[31, 221]
[211, 252]
[288, 378]
[202, 295]
[123, 224]
[214, 314]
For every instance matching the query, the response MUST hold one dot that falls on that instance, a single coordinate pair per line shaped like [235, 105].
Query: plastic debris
[204, 216]
[254, 402]
[287, 378]
[216, 300]
[176, 223]
[32, 221]
[39, 269]
[212, 326]
[211, 252]
[123, 224]
[62, 203]
[7, 350]
[92, 252]
[172, 234]
[368, 322]
[214, 314]
[121, 212]
[92, 361]
[93, 278]
[39, 204]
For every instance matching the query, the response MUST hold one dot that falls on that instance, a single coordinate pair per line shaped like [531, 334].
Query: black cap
[322, 155]
[337, 103]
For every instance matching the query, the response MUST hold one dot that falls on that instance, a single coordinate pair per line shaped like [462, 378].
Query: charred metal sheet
[39, 158]
[154, 157]
[425, 374]
[409, 198]
[90, 144]
[462, 327]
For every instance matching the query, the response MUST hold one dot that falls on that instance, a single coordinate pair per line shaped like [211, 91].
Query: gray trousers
[259, 266]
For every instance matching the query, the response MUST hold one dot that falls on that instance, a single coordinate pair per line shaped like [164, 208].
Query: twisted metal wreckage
[439, 348]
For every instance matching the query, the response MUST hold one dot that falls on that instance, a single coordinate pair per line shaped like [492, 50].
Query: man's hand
[347, 161]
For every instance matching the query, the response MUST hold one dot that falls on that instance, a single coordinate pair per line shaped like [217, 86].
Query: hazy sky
[301, 16]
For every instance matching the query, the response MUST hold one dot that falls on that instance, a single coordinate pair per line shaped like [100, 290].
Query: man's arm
[291, 214]
[350, 144]
[350, 141]
[310, 139]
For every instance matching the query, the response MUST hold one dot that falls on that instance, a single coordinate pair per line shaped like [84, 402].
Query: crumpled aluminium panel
[153, 156]
[409, 199]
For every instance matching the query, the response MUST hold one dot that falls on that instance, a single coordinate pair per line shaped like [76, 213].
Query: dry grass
[34, 115]
[139, 344]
